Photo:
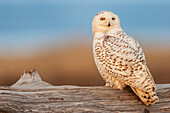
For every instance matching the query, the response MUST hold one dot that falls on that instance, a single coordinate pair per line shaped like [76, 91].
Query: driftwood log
[31, 94]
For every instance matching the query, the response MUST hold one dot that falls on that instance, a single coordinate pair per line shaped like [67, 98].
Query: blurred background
[55, 37]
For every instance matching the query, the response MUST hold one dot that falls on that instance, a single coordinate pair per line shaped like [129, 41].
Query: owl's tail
[148, 98]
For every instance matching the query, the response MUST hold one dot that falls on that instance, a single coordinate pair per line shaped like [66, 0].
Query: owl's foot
[112, 82]
[119, 85]
[107, 84]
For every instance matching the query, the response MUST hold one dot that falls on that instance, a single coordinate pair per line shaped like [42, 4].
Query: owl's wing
[125, 62]
[134, 44]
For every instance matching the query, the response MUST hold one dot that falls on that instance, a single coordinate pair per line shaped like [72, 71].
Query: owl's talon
[107, 84]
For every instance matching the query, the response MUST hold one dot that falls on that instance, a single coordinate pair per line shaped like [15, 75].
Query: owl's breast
[98, 52]
[99, 57]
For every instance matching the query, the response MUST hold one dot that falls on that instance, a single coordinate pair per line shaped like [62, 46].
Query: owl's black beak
[109, 24]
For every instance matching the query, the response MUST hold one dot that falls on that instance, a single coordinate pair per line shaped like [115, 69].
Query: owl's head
[105, 21]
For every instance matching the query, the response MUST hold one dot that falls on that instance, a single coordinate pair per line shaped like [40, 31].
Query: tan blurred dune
[74, 65]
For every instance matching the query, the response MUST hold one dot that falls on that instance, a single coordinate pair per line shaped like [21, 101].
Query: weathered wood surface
[31, 94]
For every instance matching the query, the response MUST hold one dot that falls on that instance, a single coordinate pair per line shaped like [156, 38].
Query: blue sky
[34, 22]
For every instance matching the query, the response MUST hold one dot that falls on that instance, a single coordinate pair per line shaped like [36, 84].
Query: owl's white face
[105, 21]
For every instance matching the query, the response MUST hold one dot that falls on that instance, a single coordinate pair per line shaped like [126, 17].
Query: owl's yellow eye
[102, 19]
[113, 18]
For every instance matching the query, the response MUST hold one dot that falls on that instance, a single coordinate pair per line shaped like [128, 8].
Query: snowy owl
[120, 59]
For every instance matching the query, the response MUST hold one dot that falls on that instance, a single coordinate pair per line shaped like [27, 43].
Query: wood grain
[31, 94]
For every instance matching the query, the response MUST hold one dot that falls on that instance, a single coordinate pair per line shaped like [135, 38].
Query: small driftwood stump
[31, 94]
